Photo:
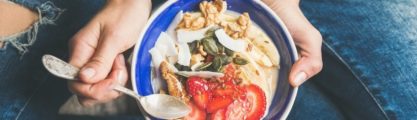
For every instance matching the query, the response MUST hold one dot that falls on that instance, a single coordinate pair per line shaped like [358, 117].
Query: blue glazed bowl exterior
[259, 13]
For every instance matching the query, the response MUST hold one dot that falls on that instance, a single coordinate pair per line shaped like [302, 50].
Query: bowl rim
[168, 3]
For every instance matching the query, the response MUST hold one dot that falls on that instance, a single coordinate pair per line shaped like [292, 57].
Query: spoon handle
[67, 71]
[127, 91]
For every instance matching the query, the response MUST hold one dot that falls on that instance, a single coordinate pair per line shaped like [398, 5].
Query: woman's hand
[97, 49]
[307, 39]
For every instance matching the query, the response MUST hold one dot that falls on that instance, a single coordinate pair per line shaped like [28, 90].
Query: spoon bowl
[163, 106]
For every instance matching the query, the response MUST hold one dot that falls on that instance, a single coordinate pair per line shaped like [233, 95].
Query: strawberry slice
[218, 115]
[201, 100]
[198, 88]
[196, 113]
[228, 91]
[219, 103]
[257, 102]
[196, 85]
[213, 85]
[237, 110]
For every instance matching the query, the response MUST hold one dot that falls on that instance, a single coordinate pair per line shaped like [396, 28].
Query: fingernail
[88, 72]
[300, 78]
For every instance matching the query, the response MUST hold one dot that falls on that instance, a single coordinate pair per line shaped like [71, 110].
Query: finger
[308, 40]
[310, 62]
[83, 44]
[100, 64]
[103, 90]
[121, 69]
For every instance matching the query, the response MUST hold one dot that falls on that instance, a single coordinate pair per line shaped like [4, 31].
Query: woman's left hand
[97, 49]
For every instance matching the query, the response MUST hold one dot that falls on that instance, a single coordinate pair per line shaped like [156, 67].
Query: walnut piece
[175, 87]
[211, 12]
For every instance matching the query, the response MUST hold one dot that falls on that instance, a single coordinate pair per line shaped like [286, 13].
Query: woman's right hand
[307, 39]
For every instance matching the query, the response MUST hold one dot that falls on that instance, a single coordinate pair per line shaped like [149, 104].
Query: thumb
[309, 43]
[307, 38]
[304, 68]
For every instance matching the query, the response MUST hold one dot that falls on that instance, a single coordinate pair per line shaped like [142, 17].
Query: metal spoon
[158, 105]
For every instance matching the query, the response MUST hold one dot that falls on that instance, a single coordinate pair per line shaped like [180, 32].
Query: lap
[377, 42]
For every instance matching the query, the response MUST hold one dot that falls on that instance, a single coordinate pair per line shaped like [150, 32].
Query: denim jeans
[369, 55]
[27, 90]
[370, 61]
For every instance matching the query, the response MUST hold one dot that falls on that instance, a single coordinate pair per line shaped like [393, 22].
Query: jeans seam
[30, 98]
[358, 79]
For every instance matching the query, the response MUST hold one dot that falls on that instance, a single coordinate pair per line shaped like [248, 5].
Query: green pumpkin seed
[182, 67]
[217, 64]
[229, 52]
[225, 59]
[194, 46]
[204, 66]
[210, 46]
[221, 47]
[210, 32]
[240, 61]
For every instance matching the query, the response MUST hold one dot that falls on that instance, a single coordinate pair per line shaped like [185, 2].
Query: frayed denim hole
[48, 13]
[3, 47]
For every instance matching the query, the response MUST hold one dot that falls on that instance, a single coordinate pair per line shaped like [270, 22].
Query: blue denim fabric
[369, 61]
[369, 64]
[27, 91]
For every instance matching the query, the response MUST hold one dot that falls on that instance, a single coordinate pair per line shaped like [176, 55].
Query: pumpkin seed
[221, 47]
[210, 46]
[225, 59]
[210, 32]
[217, 64]
[204, 66]
[194, 46]
[240, 61]
[182, 67]
[228, 52]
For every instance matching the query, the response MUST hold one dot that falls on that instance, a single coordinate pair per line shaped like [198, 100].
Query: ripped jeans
[27, 90]
[369, 60]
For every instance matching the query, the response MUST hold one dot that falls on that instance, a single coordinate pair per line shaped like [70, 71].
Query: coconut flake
[173, 68]
[187, 36]
[166, 45]
[203, 74]
[157, 57]
[228, 42]
[184, 55]
[174, 24]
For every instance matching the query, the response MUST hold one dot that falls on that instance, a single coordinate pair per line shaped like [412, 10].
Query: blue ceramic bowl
[261, 14]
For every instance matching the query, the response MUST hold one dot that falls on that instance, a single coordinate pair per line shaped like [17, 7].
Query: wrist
[282, 3]
[146, 3]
